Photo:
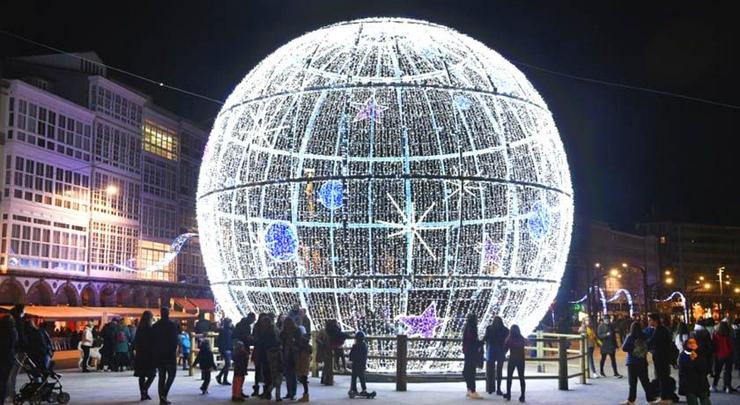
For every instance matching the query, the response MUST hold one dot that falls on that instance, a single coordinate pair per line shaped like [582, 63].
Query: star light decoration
[368, 110]
[411, 225]
[406, 165]
[422, 325]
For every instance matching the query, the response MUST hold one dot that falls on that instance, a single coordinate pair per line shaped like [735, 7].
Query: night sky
[635, 156]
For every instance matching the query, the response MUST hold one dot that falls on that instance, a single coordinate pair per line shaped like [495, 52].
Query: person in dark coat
[225, 344]
[289, 337]
[107, 351]
[257, 353]
[495, 337]
[692, 374]
[203, 325]
[358, 357]
[164, 335]
[205, 360]
[723, 356]
[270, 345]
[515, 342]
[39, 343]
[661, 346]
[144, 364]
[471, 352]
[243, 329]
[8, 342]
[241, 361]
[635, 345]
[605, 332]
[18, 313]
[336, 340]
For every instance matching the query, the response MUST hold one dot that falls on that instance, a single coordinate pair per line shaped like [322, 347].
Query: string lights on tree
[392, 174]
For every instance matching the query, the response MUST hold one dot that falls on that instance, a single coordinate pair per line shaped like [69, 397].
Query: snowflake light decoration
[460, 202]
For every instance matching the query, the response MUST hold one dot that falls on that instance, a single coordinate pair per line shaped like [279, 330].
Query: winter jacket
[495, 347]
[243, 332]
[241, 361]
[122, 339]
[605, 332]
[722, 346]
[516, 348]
[144, 359]
[275, 360]
[304, 356]
[636, 350]
[590, 335]
[692, 374]
[358, 355]
[224, 342]
[185, 344]
[8, 340]
[205, 359]
[471, 343]
[661, 346]
[164, 336]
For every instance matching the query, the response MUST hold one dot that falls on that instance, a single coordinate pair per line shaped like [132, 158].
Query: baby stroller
[44, 385]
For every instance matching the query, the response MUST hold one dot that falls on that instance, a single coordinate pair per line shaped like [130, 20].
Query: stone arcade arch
[124, 296]
[67, 295]
[88, 296]
[108, 296]
[12, 292]
[40, 293]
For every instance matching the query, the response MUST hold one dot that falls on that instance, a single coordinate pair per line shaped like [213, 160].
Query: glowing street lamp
[669, 280]
[667, 272]
[111, 189]
[707, 286]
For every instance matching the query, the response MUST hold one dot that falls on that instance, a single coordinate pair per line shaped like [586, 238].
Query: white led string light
[392, 174]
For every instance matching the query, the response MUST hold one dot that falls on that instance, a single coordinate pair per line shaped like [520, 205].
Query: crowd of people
[708, 349]
[279, 347]
[497, 341]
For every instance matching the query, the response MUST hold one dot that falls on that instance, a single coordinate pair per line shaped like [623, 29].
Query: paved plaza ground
[121, 388]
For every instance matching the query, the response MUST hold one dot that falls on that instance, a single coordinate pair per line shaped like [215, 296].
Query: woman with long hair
[515, 343]
[471, 346]
[144, 366]
[495, 337]
[680, 335]
[635, 345]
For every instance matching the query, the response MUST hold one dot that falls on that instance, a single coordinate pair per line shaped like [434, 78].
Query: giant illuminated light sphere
[392, 174]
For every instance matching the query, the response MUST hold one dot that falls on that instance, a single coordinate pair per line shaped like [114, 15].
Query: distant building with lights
[97, 183]
[612, 260]
[695, 252]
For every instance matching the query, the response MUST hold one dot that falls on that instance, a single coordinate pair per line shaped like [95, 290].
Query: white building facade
[96, 186]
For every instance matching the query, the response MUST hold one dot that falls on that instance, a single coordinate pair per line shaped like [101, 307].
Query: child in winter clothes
[241, 361]
[304, 361]
[185, 346]
[358, 357]
[205, 360]
[692, 375]
[275, 359]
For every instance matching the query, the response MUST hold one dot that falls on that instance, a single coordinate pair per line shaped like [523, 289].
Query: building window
[160, 141]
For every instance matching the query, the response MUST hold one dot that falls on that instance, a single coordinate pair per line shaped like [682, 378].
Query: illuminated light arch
[446, 156]
[682, 297]
[627, 295]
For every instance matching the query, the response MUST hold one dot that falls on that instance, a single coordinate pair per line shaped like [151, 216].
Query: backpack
[640, 349]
